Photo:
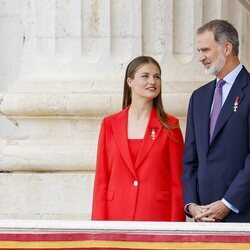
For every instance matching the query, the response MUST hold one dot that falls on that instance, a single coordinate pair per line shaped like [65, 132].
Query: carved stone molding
[246, 4]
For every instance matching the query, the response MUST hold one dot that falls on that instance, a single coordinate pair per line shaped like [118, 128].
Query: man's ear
[228, 48]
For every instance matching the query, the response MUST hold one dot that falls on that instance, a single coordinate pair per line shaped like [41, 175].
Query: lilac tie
[217, 105]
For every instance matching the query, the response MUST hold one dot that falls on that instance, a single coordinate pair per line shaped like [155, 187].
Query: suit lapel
[228, 108]
[119, 126]
[153, 125]
[204, 106]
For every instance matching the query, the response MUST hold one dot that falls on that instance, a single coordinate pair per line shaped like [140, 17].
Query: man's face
[211, 53]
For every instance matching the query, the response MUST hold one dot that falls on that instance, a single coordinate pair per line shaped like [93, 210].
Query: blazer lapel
[119, 126]
[204, 106]
[228, 108]
[148, 141]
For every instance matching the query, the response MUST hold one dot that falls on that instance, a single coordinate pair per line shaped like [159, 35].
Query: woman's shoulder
[172, 120]
[115, 116]
[175, 130]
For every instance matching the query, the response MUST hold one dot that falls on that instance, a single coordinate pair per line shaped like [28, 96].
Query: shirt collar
[231, 76]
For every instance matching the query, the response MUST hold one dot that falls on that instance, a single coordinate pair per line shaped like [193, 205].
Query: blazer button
[135, 183]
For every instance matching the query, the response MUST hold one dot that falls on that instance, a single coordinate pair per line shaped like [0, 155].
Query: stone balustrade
[40, 234]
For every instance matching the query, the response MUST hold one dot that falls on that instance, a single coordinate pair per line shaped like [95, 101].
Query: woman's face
[146, 83]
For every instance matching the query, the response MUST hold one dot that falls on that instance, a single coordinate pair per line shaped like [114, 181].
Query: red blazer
[150, 189]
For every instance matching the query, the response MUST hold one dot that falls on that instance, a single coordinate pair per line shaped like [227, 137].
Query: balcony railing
[35, 234]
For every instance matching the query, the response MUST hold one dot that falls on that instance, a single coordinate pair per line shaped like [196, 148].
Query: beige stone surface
[60, 195]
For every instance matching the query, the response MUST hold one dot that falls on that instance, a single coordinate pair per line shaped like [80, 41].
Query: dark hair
[132, 67]
[223, 32]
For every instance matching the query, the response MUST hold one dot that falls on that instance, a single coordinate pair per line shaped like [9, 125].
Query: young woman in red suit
[138, 170]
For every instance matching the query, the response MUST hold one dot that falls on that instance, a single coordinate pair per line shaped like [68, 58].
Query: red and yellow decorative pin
[153, 134]
[236, 103]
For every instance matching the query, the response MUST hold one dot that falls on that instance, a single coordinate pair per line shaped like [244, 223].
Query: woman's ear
[129, 80]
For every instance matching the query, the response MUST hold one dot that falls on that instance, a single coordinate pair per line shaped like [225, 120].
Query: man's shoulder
[205, 87]
[244, 69]
[246, 72]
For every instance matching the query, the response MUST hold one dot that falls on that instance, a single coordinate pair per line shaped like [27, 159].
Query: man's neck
[229, 66]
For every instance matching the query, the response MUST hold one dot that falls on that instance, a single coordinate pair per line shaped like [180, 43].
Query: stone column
[74, 58]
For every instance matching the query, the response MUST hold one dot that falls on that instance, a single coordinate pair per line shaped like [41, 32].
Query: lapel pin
[236, 103]
[153, 134]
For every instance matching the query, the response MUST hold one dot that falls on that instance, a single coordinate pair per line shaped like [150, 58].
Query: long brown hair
[132, 67]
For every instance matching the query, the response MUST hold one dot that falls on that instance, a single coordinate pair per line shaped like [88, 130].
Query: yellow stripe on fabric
[122, 244]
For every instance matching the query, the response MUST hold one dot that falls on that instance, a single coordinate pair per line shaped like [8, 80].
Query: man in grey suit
[216, 175]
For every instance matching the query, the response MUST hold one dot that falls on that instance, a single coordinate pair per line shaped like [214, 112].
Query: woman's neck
[138, 118]
[140, 110]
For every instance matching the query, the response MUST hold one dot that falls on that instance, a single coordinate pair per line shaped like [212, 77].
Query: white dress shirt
[230, 79]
